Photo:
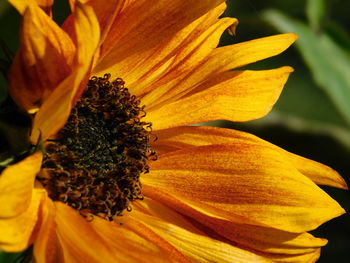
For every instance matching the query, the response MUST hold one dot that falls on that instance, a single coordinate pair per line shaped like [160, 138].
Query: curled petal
[55, 110]
[43, 61]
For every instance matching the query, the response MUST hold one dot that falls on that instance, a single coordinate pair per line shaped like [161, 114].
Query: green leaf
[20, 257]
[315, 11]
[329, 64]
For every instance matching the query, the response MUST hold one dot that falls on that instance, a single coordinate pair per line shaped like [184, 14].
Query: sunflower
[213, 195]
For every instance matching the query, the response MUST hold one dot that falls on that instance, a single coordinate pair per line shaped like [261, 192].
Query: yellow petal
[21, 5]
[265, 241]
[317, 172]
[16, 232]
[222, 59]
[241, 54]
[186, 238]
[16, 186]
[236, 96]
[156, 23]
[302, 258]
[185, 137]
[239, 180]
[55, 110]
[114, 242]
[105, 13]
[43, 61]
[166, 78]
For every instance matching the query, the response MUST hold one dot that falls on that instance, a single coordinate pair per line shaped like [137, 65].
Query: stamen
[95, 162]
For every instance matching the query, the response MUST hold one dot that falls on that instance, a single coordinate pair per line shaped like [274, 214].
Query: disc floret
[95, 162]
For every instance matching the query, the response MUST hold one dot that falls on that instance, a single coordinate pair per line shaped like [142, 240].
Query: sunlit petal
[44, 60]
[240, 180]
[236, 96]
[16, 186]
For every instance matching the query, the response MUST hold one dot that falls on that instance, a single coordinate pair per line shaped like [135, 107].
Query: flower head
[214, 195]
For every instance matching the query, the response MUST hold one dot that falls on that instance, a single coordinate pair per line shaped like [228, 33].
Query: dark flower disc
[95, 162]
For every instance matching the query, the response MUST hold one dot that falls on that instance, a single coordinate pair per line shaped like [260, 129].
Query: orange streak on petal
[185, 54]
[265, 241]
[244, 180]
[55, 111]
[187, 239]
[156, 23]
[213, 66]
[46, 246]
[184, 137]
[317, 172]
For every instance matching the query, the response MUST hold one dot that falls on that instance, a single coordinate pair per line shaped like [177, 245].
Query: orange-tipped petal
[55, 110]
[185, 137]
[16, 186]
[242, 180]
[43, 61]
[16, 232]
[236, 96]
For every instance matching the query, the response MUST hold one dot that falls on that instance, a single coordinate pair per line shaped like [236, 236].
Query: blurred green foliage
[316, 10]
[328, 62]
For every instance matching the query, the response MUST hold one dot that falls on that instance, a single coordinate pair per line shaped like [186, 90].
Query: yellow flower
[214, 195]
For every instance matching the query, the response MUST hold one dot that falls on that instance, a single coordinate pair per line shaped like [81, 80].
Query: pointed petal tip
[340, 183]
[233, 27]
[289, 38]
[293, 36]
[343, 184]
[288, 69]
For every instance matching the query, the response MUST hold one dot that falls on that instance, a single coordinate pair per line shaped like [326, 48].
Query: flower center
[95, 162]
